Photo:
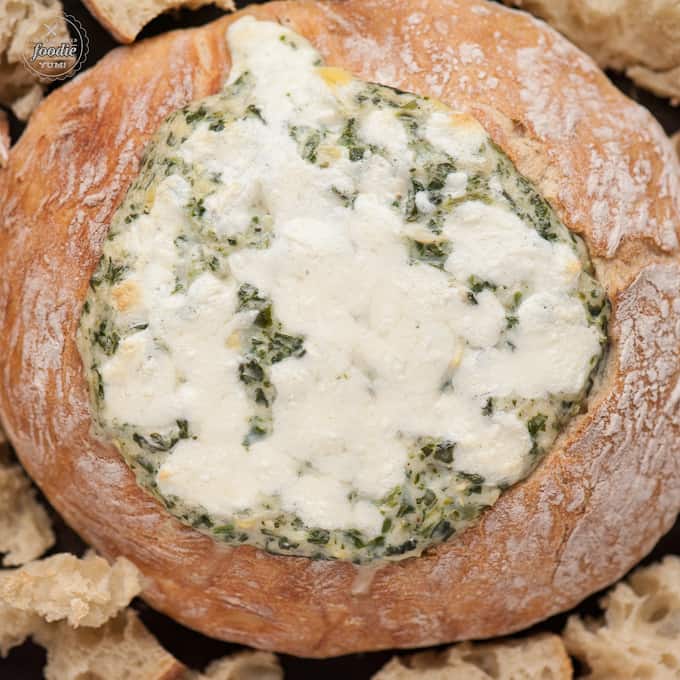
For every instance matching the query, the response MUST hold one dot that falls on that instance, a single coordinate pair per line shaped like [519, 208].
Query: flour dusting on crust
[619, 494]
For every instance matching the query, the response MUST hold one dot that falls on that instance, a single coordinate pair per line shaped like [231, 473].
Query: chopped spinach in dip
[331, 318]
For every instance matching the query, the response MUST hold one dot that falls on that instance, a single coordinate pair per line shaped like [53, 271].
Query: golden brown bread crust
[599, 501]
[4, 138]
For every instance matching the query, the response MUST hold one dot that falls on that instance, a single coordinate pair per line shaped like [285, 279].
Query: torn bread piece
[22, 24]
[85, 592]
[121, 649]
[676, 142]
[642, 39]
[661, 83]
[16, 627]
[639, 635]
[23, 106]
[124, 19]
[25, 530]
[241, 666]
[4, 155]
[77, 609]
[541, 657]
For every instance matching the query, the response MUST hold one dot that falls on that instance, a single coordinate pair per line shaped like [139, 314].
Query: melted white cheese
[380, 332]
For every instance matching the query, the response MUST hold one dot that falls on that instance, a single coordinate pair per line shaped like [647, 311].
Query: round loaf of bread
[603, 495]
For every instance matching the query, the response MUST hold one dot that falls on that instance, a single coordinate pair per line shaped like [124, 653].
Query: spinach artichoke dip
[331, 319]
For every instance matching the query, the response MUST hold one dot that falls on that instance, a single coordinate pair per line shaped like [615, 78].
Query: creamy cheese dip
[331, 319]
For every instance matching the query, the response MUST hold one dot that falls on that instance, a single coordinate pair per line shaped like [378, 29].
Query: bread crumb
[25, 531]
[124, 19]
[541, 657]
[241, 666]
[639, 636]
[84, 592]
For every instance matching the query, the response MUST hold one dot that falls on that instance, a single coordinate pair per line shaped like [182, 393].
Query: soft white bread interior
[78, 610]
[639, 636]
[25, 530]
[83, 592]
[241, 666]
[21, 24]
[541, 657]
[121, 649]
[124, 19]
[640, 38]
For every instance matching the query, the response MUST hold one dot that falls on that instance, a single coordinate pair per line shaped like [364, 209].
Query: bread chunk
[241, 666]
[539, 657]
[121, 649]
[25, 531]
[639, 635]
[16, 627]
[125, 19]
[84, 592]
[21, 24]
[77, 609]
[642, 39]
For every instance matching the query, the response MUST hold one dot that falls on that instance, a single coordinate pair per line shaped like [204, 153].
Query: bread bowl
[579, 521]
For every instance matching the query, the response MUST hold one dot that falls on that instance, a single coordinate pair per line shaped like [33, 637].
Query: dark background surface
[195, 650]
